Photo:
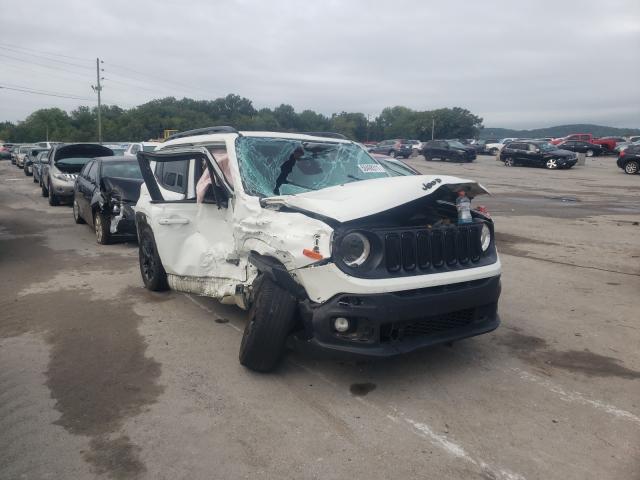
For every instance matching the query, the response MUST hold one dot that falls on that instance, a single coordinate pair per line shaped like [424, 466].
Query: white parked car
[495, 148]
[134, 148]
[294, 228]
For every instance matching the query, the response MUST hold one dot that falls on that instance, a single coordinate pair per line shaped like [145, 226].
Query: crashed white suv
[319, 242]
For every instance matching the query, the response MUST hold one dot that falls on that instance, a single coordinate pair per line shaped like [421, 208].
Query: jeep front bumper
[393, 323]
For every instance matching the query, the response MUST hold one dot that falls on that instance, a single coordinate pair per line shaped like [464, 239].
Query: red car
[607, 143]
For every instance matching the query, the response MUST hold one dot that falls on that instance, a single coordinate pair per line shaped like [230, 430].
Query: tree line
[149, 120]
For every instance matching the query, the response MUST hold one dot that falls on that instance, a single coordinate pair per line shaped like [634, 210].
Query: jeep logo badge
[427, 186]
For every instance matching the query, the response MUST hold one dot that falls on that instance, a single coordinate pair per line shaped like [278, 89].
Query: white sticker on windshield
[371, 168]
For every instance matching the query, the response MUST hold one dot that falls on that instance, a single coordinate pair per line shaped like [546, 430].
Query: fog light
[341, 324]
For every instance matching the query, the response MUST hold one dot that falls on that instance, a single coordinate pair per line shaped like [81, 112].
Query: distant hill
[559, 131]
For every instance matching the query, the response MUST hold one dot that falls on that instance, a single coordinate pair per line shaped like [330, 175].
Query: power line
[45, 53]
[35, 63]
[13, 50]
[44, 92]
[166, 82]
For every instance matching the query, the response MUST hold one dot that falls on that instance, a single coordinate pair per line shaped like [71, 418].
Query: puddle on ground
[361, 389]
[536, 351]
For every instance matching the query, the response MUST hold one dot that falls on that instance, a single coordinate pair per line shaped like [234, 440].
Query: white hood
[368, 197]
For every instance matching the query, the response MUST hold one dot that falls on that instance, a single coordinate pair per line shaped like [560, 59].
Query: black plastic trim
[277, 272]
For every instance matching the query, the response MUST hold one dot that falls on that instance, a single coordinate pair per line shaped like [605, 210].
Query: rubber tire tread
[159, 282]
[271, 320]
[106, 233]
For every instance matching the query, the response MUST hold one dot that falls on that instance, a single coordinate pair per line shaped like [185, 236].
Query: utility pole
[98, 88]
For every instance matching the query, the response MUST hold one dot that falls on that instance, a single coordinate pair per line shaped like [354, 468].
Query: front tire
[101, 227]
[76, 213]
[153, 274]
[551, 164]
[27, 173]
[54, 201]
[270, 322]
[392, 154]
[631, 167]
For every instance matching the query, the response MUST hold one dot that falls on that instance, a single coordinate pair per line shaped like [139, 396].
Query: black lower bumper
[388, 324]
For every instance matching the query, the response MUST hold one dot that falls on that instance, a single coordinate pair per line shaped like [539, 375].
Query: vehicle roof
[218, 137]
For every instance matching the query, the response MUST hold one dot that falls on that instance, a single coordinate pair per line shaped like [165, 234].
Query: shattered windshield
[280, 166]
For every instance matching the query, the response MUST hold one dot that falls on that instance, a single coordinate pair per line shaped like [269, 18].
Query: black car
[448, 150]
[394, 148]
[589, 149]
[536, 154]
[629, 159]
[104, 194]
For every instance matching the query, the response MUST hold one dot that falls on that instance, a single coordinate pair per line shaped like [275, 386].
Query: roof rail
[203, 131]
[327, 135]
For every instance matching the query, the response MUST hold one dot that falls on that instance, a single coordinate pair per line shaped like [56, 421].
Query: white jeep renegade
[318, 240]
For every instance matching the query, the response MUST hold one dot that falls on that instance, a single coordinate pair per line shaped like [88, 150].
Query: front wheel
[589, 153]
[27, 173]
[494, 151]
[151, 269]
[631, 167]
[508, 162]
[101, 226]
[54, 201]
[270, 322]
[551, 164]
[392, 154]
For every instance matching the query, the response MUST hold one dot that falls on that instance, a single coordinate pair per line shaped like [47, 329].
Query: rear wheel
[101, 227]
[493, 151]
[589, 153]
[508, 162]
[76, 212]
[631, 167]
[270, 322]
[427, 157]
[392, 154]
[26, 171]
[45, 192]
[151, 269]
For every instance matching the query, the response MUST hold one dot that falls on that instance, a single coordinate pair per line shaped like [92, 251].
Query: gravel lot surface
[100, 378]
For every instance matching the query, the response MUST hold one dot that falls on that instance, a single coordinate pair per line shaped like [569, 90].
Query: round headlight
[485, 238]
[355, 249]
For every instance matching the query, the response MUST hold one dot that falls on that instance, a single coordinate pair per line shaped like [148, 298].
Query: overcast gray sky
[520, 64]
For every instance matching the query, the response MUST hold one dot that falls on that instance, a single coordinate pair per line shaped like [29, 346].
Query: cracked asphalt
[100, 378]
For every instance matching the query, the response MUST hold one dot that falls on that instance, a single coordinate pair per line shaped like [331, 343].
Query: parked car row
[294, 229]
